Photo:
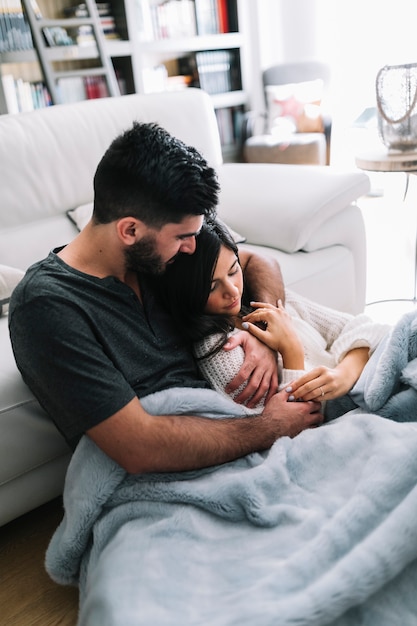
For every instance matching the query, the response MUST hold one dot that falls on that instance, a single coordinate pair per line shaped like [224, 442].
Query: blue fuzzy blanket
[320, 530]
[388, 384]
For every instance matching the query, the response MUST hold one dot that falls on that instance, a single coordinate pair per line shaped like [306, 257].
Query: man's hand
[259, 369]
[292, 417]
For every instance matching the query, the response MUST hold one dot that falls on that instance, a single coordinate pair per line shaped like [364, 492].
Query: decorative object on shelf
[396, 99]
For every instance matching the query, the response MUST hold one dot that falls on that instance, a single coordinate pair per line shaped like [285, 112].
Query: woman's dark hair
[149, 174]
[185, 286]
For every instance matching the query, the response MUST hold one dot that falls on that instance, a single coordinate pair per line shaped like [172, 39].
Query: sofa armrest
[286, 206]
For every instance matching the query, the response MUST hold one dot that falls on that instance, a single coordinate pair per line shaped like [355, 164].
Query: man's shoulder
[42, 279]
[38, 273]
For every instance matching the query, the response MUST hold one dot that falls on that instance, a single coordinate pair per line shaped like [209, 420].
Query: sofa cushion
[290, 213]
[9, 277]
[29, 441]
[297, 103]
[29, 242]
[81, 215]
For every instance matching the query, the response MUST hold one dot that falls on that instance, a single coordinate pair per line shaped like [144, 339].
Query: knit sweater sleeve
[342, 332]
[360, 332]
[287, 376]
[221, 367]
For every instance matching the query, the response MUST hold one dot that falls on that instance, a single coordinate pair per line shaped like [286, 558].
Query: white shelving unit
[151, 52]
[135, 57]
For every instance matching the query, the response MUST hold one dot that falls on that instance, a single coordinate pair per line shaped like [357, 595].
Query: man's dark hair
[148, 174]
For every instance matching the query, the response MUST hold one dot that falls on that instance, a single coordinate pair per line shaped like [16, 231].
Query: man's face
[158, 248]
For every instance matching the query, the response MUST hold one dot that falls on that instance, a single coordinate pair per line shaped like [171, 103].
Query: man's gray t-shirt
[86, 346]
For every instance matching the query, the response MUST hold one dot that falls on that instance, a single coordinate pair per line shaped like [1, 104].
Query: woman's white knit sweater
[327, 335]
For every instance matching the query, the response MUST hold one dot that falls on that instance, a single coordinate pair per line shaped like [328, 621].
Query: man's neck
[94, 252]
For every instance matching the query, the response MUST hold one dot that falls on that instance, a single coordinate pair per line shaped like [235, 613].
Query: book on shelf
[216, 16]
[15, 32]
[77, 88]
[229, 122]
[57, 36]
[22, 96]
[215, 71]
[80, 10]
[223, 16]
[82, 35]
[170, 19]
[207, 17]
[165, 20]
[232, 16]
[10, 93]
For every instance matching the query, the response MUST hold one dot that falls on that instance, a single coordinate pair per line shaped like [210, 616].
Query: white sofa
[304, 216]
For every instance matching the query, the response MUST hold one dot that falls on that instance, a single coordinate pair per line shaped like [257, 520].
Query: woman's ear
[130, 230]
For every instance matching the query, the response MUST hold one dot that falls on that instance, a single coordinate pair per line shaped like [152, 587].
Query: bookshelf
[154, 45]
[69, 46]
[200, 43]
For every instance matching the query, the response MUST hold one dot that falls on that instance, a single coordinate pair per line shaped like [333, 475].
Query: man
[90, 340]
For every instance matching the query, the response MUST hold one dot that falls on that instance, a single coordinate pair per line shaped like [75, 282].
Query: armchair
[295, 127]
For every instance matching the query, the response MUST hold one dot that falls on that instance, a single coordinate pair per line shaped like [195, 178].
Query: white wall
[287, 30]
[356, 37]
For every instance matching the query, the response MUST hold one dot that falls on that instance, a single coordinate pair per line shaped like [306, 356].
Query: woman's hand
[259, 369]
[277, 331]
[324, 383]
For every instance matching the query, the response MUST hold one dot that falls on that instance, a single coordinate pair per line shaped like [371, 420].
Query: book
[15, 32]
[223, 16]
[232, 14]
[71, 89]
[21, 95]
[80, 10]
[10, 94]
[144, 20]
[206, 17]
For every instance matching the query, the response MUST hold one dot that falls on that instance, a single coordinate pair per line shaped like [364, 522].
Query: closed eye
[232, 272]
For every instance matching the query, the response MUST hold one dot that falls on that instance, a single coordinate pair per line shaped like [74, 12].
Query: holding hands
[273, 326]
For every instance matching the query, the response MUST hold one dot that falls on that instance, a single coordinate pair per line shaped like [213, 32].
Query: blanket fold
[320, 529]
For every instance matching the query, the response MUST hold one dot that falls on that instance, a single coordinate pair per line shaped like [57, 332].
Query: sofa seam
[17, 405]
[34, 467]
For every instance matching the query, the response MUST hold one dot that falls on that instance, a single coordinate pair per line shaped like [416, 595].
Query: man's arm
[140, 442]
[264, 280]
[262, 276]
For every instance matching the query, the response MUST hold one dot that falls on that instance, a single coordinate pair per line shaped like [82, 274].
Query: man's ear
[130, 230]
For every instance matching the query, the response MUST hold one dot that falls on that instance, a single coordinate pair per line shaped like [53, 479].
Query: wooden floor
[28, 597]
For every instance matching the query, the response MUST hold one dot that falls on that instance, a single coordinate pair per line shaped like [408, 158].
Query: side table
[383, 160]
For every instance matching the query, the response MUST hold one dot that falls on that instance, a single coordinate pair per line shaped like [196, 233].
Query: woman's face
[226, 286]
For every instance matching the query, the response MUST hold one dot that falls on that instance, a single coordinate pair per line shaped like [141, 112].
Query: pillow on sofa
[299, 104]
[9, 278]
[82, 214]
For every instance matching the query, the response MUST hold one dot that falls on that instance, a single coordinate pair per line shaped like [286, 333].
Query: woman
[321, 352]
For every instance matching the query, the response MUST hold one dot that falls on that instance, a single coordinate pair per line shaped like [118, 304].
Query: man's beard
[142, 257]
